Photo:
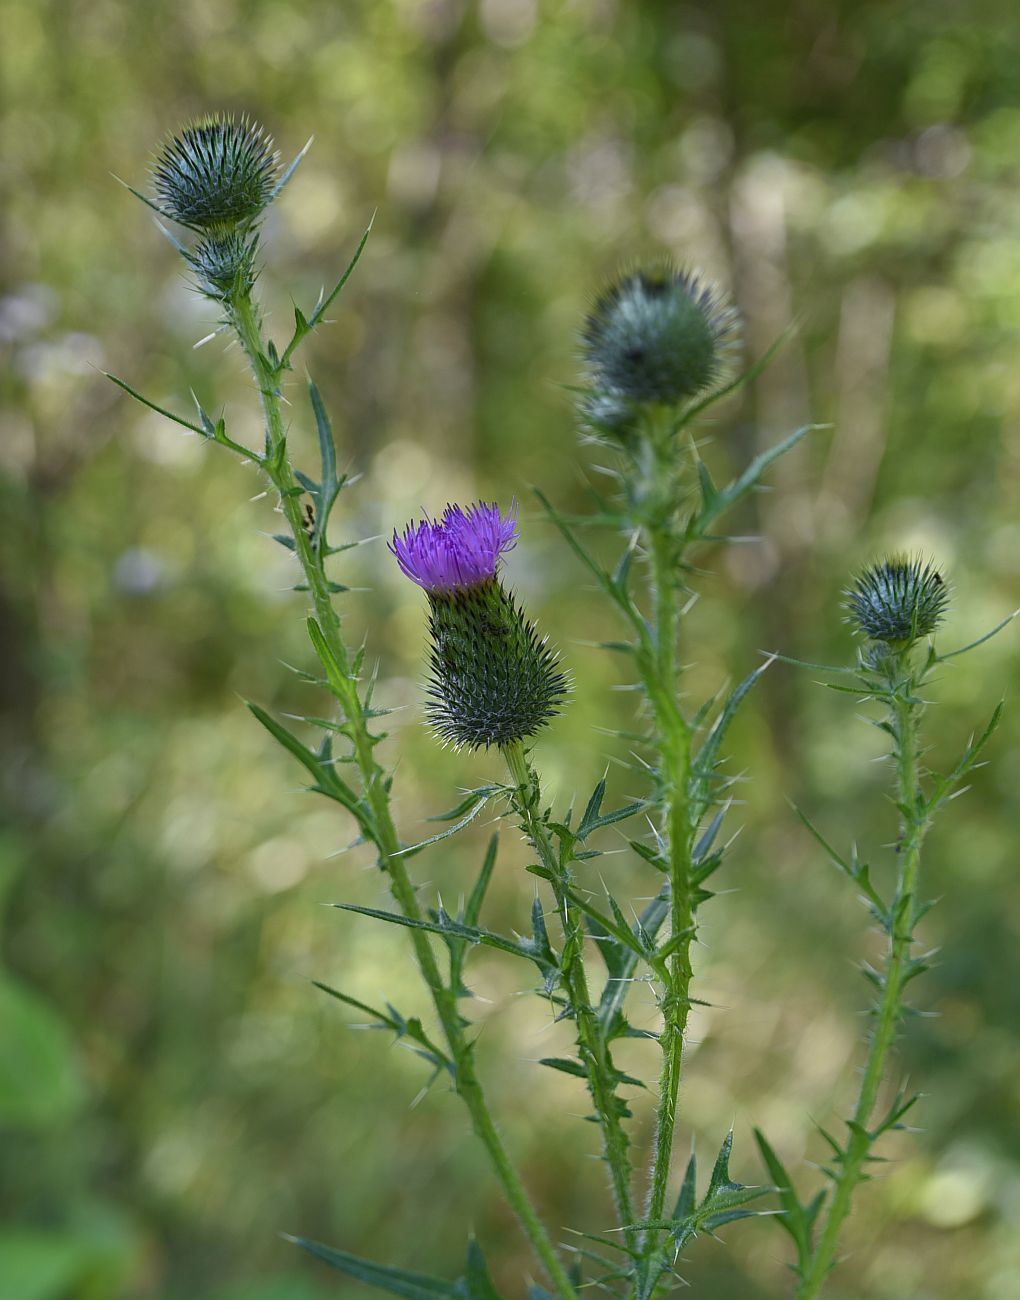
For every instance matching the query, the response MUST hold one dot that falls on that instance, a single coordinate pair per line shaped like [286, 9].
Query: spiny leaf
[699, 524]
[474, 904]
[593, 820]
[383, 1021]
[707, 756]
[793, 1219]
[392, 1020]
[303, 326]
[746, 377]
[467, 803]
[617, 593]
[397, 1281]
[953, 654]
[294, 165]
[565, 1066]
[966, 764]
[617, 986]
[448, 927]
[721, 1170]
[329, 783]
[330, 485]
[475, 808]
[160, 410]
[476, 1284]
[687, 1199]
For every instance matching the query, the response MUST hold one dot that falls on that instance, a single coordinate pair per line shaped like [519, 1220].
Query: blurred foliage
[173, 1093]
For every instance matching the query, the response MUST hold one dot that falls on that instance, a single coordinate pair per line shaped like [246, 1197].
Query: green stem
[661, 672]
[903, 914]
[591, 1043]
[244, 317]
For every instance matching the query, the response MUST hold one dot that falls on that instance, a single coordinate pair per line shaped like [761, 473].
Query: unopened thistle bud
[658, 335]
[493, 679]
[607, 415]
[224, 264]
[898, 601]
[217, 174]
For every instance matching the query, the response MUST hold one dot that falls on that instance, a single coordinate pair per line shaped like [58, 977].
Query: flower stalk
[661, 681]
[592, 1048]
[904, 711]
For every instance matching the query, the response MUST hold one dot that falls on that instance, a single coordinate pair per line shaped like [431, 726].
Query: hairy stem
[903, 914]
[591, 1043]
[660, 672]
[245, 319]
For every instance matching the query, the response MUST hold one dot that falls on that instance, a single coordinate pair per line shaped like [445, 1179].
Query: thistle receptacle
[493, 680]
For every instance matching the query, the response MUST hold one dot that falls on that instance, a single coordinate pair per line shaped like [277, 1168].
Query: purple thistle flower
[460, 550]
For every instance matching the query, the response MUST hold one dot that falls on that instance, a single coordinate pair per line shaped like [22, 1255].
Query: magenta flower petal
[458, 551]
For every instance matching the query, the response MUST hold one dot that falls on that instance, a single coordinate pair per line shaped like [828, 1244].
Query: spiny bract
[493, 679]
[224, 264]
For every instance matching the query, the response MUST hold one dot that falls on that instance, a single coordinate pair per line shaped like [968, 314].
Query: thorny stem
[590, 1040]
[245, 319]
[914, 825]
[660, 672]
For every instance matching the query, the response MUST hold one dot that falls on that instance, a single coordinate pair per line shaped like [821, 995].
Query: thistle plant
[657, 350]
[896, 606]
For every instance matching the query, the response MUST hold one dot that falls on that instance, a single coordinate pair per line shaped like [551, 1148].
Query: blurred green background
[173, 1093]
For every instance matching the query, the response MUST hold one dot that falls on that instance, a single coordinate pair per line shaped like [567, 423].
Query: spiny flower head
[657, 335]
[459, 550]
[493, 680]
[216, 173]
[897, 601]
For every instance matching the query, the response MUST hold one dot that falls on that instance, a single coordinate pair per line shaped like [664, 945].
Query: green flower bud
[657, 336]
[607, 416]
[225, 265]
[493, 679]
[216, 174]
[898, 601]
